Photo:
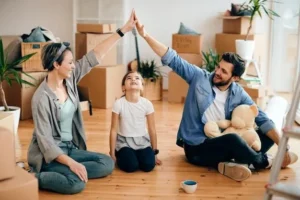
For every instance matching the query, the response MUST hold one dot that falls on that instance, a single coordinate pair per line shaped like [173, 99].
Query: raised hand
[140, 27]
[130, 24]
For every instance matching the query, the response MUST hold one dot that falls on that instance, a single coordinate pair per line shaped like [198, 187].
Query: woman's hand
[80, 170]
[157, 161]
[130, 24]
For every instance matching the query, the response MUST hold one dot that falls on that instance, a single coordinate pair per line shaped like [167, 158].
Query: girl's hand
[157, 161]
[113, 156]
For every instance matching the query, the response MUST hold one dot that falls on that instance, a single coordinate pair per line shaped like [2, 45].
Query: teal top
[67, 110]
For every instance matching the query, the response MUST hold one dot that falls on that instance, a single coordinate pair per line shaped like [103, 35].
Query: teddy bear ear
[254, 109]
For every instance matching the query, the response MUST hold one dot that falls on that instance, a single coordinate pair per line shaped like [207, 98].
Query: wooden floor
[163, 182]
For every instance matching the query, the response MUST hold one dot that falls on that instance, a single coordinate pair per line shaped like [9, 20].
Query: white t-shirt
[132, 121]
[216, 111]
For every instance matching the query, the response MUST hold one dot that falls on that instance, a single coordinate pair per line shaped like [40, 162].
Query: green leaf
[273, 13]
[1, 54]
[21, 60]
[27, 83]
[8, 80]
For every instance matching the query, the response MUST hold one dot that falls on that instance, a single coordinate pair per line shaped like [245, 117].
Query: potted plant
[245, 48]
[210, 60]
[152, 80]
[8, 74]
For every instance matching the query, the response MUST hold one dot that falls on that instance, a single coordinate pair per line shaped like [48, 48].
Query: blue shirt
[200, 96]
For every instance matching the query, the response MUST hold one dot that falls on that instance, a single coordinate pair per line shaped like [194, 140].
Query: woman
[57, 153]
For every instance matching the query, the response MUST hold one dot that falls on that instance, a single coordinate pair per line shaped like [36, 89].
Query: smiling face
[132, 81]
[223, 74]
[67, 66]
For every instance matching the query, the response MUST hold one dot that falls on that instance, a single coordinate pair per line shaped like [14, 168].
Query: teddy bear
[242, 123]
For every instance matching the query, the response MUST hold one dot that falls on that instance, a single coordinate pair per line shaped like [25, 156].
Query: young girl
[130, 144]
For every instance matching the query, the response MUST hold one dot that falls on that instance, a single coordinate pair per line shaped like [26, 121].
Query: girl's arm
[152, 134]
[113, 134]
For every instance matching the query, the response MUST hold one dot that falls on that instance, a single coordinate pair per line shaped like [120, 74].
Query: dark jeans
[228, 147]
[59, 178]
[130, 160]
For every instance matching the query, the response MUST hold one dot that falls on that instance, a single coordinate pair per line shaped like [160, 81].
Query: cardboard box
[7, 147]
[7, 39]
[85, 42]
[22, 186]
[178, 88]
[195, 59]
[34, 64]
[237, 25]
[187, 43]
[96, 28]
[226, 43]
[153, 90]
[21, 95]
[261, 102]
[257, 92]
[103, 85]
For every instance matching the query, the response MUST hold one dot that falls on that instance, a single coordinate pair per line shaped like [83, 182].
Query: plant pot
[153, 89]
[245, 48]
[16, 113]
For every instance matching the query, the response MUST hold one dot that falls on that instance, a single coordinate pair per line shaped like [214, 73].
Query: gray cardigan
[46, 115]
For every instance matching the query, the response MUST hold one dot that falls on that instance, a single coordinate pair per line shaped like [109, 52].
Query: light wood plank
[163, 182]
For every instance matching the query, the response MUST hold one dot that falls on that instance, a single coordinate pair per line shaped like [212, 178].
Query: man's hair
[237, 61]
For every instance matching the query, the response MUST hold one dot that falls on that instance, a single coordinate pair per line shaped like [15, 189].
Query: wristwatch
[287, 147]
[156, 151]
[120, 32]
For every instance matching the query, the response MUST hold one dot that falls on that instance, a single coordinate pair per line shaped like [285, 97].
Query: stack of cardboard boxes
[103, 84]
[15, 183]
[189, 48]
[21, 95]
[235, 28]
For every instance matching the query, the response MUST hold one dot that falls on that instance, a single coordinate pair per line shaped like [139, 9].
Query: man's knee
[234, 139]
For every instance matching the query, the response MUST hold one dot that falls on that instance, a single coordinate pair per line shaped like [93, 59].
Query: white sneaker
[293, 157]
[235, 171]
[270, 161]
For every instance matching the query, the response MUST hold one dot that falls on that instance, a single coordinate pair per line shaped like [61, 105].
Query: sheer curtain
[284, 43]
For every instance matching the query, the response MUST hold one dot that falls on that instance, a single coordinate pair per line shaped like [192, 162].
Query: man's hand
[130, 24]
[286, 160]
[140, 27]
[80, 170]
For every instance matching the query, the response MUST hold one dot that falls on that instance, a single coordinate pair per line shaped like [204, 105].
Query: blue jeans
[59, 178]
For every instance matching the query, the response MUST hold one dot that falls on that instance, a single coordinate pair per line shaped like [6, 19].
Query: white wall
[160, 17]
[18, 17]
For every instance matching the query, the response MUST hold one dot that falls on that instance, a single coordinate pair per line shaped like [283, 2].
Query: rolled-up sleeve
[43, 132]
[181, 67]
[84, 65]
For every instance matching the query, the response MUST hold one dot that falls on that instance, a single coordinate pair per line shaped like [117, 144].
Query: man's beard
[222, 83]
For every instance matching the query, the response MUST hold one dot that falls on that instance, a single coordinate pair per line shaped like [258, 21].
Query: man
[213, 97]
